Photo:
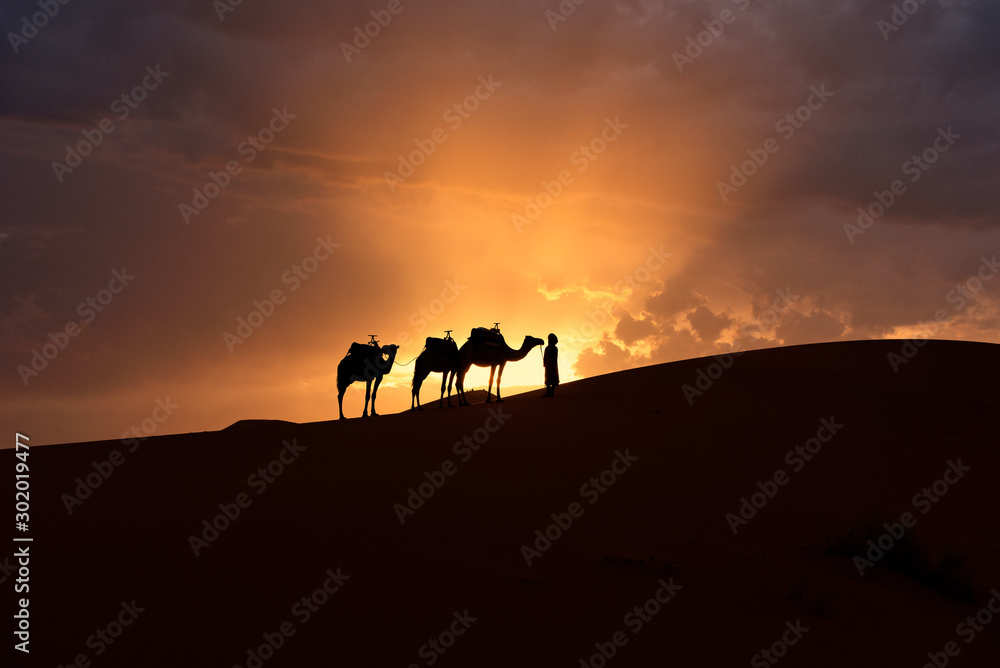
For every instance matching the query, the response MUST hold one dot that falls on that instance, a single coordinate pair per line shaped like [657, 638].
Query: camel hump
[490, 337]
[359, 349]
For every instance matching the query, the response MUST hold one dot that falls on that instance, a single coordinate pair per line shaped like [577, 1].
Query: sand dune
[641, 475]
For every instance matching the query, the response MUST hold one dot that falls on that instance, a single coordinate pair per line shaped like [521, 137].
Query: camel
[438, 356]
[364, 362]
[487, 348]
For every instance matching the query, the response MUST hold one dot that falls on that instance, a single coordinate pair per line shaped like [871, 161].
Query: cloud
[672, 299]
[630, 330]
[816, 327]
[707, 325]
[605, 357]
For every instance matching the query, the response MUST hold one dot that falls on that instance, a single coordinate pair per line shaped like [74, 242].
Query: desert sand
[450, 585]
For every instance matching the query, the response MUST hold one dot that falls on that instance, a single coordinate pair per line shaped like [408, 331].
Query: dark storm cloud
[707, 325]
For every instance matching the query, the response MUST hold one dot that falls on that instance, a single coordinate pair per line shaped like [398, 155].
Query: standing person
[550, 360]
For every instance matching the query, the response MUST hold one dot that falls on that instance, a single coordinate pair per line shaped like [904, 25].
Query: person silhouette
[550, 360]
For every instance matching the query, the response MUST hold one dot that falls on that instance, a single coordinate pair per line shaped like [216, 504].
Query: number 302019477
[22, 517]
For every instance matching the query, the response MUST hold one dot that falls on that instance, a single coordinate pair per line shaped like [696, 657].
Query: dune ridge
[542, 532]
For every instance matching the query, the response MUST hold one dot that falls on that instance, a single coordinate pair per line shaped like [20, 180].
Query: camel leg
[444, 381]
[460, 387]
[451, 378]
[499, 376]
[489, 390]
[378, 379]
[368, 394]
[340, 401]
[419, 376]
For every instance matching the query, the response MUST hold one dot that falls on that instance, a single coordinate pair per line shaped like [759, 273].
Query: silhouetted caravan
[438, 356]
[486, 347]
[364, 362]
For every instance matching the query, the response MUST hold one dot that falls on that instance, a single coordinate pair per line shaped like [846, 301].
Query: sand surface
[455, 570]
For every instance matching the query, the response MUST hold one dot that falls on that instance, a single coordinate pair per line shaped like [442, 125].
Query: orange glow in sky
[596, 177]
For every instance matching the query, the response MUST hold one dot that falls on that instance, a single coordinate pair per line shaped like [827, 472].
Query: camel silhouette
[364, 362]
[438, 356]
[486, 347]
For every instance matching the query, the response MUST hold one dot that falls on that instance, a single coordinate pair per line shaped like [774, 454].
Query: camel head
[389, 350]
[530, 342]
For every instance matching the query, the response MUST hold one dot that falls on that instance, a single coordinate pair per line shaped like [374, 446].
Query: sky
[205, 203]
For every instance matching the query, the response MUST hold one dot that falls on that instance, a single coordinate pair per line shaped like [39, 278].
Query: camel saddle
[363, 350]
[434, 343]
[489, 337]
